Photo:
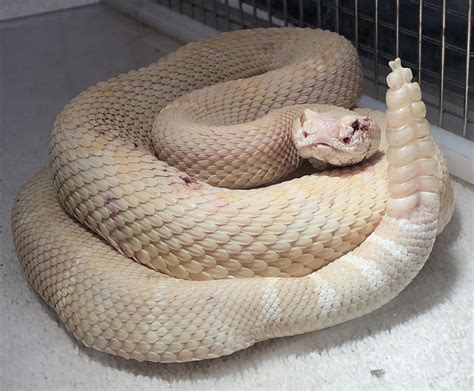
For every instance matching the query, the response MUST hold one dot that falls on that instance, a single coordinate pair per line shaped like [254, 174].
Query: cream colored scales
[106, 175]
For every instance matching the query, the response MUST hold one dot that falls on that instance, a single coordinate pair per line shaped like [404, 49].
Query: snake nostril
[305, 134]
[345, 140]
[355, 125]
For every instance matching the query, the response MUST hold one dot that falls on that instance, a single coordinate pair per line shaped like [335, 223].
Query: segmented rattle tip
[399, 75]
[395, 64]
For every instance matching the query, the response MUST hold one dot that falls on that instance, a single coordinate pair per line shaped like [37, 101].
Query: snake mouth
[322, 145]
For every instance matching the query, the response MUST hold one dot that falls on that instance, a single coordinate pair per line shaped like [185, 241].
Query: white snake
[106, 175]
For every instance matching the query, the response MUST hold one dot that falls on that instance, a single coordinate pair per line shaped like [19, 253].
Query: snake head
[335, 138]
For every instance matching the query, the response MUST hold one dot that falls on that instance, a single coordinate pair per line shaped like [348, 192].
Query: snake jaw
[330, 138]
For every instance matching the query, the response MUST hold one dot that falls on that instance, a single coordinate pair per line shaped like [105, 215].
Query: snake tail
[115, 305]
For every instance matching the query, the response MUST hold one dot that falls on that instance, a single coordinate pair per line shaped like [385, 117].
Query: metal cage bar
[443, 57]
[318, 7]
[420, 38]
[468, 56]
[269, 12]
[356, 24]
[301, 11]
[397, 29]
[371, 26]
[376, 47]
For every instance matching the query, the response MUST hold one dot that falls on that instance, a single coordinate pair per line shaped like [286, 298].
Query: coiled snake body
[105, 176]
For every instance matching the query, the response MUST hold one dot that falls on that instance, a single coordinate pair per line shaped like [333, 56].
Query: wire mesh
[433, 37]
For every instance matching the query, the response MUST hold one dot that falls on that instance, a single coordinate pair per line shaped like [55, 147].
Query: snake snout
[335, 137]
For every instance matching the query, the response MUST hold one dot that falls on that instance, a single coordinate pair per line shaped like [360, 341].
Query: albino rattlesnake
[105, 174]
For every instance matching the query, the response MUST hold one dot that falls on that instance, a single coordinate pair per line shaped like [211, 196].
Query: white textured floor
[421, 340]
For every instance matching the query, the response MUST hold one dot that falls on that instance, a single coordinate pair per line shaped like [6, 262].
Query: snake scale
[331, 246]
